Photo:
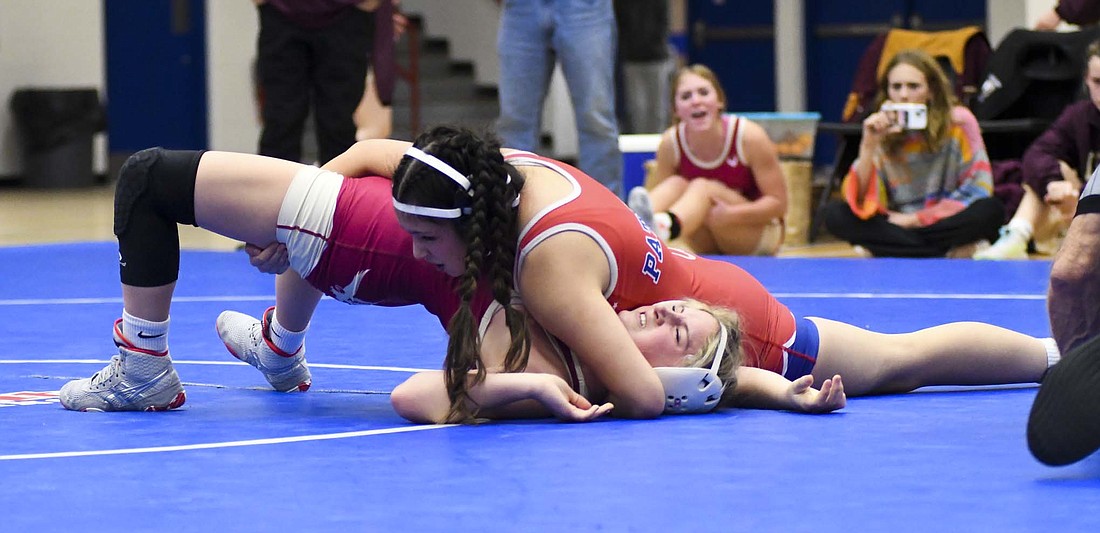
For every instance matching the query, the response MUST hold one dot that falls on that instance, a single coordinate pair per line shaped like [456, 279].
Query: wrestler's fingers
[600, 410]
[839, 398]
[800, 385]
[579, 401]
[271, 259]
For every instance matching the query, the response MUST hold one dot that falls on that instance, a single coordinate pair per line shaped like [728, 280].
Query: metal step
[448, 93]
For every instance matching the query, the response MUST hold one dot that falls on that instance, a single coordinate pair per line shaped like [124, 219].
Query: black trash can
[56, 127]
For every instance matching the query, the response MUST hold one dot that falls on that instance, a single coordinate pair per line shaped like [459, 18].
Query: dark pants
[297, 68]
[980, 220]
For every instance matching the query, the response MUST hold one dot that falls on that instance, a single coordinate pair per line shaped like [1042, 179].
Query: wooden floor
[30, 216]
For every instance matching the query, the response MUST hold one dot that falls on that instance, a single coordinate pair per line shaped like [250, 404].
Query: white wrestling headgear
[450, 172]
[694, 389]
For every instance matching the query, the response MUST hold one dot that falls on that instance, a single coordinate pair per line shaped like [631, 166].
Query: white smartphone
[908, 116]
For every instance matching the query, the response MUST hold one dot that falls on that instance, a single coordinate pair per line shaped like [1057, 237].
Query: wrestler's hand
[271, 259]
[809, 400]
[566, 404]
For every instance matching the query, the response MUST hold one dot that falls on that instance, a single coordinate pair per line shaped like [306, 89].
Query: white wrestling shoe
[638, 200]
[245, 339]
[135, 380]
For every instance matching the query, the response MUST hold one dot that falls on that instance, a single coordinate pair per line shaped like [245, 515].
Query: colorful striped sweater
[934, 185]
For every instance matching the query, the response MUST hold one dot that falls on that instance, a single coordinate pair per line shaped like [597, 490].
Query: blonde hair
[733, 356]
[941, 98]
[703, 72]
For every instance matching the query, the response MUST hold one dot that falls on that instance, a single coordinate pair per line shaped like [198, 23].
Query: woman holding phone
[921, 185]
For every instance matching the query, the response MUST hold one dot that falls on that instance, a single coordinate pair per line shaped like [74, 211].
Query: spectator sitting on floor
[717, 186]
[917, 190]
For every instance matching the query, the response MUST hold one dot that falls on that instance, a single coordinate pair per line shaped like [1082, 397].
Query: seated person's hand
[1048, 21]
[809, 400]
[905, 220]
[719, 212]
[1062, 195]
[878, 124]
[271, 259]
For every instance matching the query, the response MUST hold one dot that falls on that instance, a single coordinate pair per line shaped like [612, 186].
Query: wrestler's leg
[960, 353]
[237, 195]
[241, 197]
[295, 301]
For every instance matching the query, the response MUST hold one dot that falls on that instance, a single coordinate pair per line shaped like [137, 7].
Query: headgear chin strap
[450, 172]
[693, 389]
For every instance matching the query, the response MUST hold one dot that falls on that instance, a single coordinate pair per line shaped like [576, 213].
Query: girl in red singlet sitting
[718, 187]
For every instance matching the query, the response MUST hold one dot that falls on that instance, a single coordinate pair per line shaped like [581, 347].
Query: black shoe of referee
[1064, 425]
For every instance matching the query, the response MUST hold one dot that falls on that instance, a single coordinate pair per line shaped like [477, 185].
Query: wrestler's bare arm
[762, 389]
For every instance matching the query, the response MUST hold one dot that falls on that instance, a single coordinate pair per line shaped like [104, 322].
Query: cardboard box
[799, 176]
[792, 133]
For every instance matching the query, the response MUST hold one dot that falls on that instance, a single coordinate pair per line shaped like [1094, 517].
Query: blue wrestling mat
[239, 457]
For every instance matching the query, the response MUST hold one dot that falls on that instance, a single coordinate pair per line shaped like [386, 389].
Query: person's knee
[155, 191]
[133, 178]
[698, 187]
[837, 217]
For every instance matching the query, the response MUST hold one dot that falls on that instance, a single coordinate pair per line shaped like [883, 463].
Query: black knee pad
[155, 191]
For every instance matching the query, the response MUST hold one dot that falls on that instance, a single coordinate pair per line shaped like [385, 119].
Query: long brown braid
[491, 234]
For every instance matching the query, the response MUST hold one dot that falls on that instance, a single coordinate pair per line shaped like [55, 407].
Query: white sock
[284, 339]
[1053, 354]
[1021, 228]
[664, 225]
[145, 334]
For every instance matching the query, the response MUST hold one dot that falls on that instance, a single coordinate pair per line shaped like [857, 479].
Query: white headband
[433, 212]
[439, 165]
[448, 171]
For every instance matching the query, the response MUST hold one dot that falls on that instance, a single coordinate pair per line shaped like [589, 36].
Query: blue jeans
[581, 34]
